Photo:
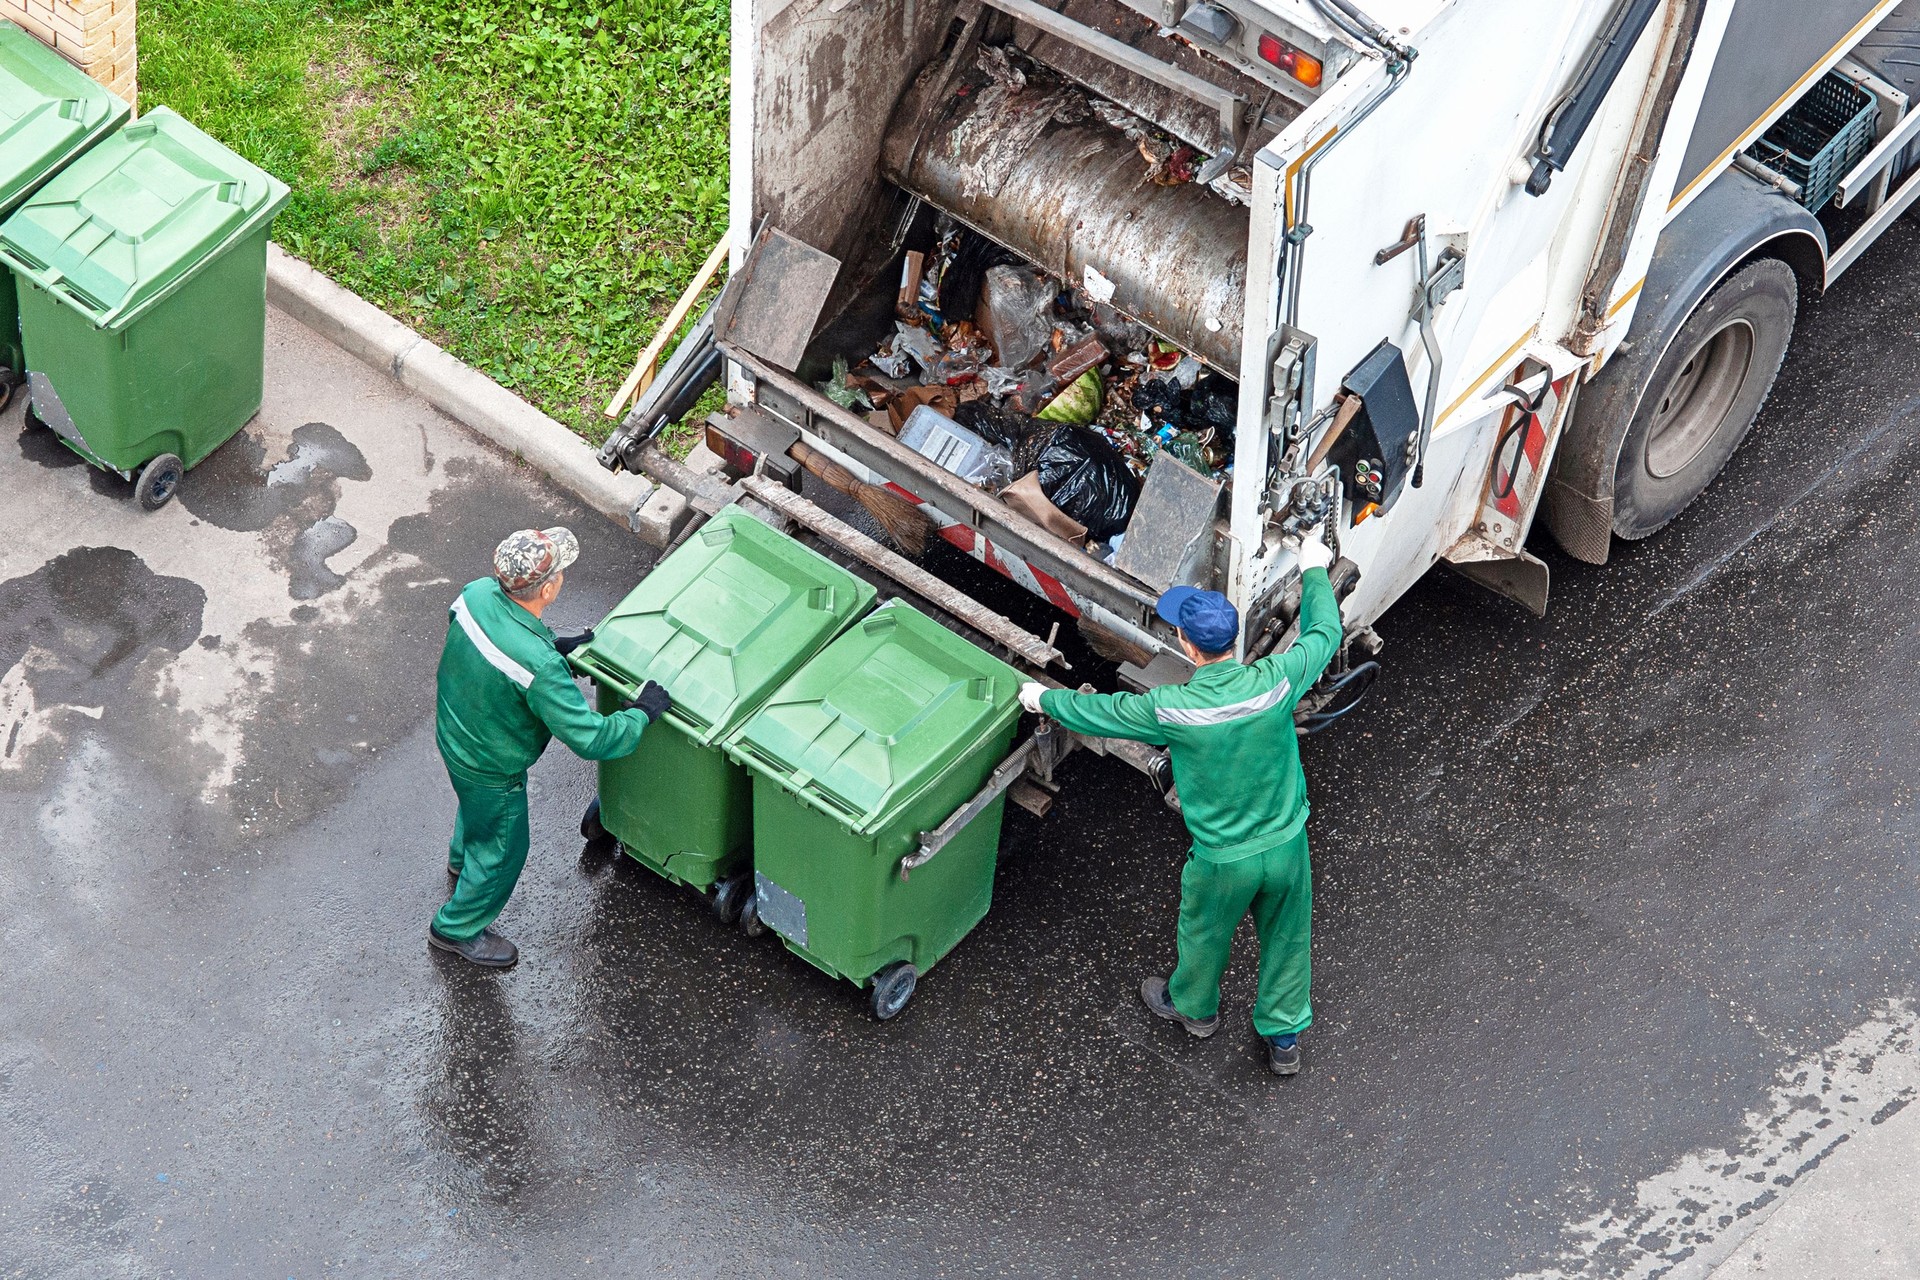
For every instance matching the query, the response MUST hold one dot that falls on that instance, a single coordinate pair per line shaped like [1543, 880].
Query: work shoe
[1153, 994]
[1283, 1055]
[487, 949]
[453, 872]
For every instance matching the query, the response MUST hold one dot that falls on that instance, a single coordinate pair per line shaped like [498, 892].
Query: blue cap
[1208, 618]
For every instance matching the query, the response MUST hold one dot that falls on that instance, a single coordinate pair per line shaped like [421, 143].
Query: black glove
[653, 700]
[567, 644]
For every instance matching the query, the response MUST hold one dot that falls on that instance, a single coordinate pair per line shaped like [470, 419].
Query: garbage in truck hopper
[1031, 388]
[1029, 353]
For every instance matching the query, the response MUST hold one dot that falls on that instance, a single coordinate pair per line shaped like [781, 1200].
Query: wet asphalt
[1583, 887]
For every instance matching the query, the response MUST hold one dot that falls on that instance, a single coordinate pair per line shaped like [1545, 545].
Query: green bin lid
[132, 218]
[723, 620]
[883, 712]
[49, 112]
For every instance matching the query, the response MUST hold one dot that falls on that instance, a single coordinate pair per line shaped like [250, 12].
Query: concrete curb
[361, 329]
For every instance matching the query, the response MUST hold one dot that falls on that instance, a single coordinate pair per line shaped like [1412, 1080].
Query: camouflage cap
[531, 556]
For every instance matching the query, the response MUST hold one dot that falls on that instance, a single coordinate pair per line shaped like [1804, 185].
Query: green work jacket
[1229, 729]
[505, 692]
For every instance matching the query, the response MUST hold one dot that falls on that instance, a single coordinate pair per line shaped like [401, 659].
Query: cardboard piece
[900, 407]
[1025, 496]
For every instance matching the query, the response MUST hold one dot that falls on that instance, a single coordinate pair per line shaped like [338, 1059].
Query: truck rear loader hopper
[1506, 270]
[1057, 184]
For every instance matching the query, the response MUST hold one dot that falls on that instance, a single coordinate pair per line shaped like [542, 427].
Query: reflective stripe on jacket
[1229, 730]
[504, 692]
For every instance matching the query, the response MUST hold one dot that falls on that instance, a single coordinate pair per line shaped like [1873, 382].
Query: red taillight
[735, 454]
[1303, 67]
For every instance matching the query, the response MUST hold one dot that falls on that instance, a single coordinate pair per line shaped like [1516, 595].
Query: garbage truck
[1460, 266]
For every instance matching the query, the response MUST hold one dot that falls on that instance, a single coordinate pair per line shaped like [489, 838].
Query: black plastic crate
[1821, 137]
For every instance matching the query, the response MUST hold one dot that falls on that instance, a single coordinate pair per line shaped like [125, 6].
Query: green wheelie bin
[719, 624]
[50, 112]
[884, 736]
[143, 299]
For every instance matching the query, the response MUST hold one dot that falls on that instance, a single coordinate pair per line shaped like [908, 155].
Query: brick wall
[95, 35]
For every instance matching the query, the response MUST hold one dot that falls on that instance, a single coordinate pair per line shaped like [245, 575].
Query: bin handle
[700, 731]
[594, 671]
[932, 842]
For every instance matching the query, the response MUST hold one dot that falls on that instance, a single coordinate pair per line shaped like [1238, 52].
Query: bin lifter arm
[1038, 755]
[932, 842]
[694, 366]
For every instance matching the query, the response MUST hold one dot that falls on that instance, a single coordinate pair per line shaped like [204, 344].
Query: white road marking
[1683, 1222]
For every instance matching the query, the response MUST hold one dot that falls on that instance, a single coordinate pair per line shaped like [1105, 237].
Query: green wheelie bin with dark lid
[884, 736]
[720, 624]
[50, 112]
[143, 298]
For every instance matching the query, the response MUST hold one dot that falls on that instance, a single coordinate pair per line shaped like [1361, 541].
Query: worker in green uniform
[1236, 767]
[504, 692]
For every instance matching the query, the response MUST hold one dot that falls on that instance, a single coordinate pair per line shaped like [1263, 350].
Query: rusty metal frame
[1232, 108]
[824, 524]
[1084, 576]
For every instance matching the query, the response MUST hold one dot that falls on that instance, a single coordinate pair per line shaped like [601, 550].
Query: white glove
[1315, 553]
[1030, 695]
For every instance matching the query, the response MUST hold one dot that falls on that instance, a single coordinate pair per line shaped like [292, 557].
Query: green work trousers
[489, 848]
[1276, 886]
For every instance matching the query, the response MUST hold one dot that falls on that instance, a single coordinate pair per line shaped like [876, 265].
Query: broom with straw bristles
[899, 519]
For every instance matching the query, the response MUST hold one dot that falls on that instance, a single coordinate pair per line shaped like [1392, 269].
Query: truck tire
[1735, 224]
[1704, 395]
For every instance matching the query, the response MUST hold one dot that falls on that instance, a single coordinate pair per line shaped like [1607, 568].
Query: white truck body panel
[1432, 149]
[815, 79]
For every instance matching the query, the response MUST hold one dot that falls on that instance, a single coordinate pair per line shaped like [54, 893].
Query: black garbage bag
[1086, 478]
[1163, 400]
[1214, 402]
[960, 286]
[1018, 434]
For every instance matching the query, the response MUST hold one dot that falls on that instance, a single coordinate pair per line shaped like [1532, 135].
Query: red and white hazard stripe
[976, 544]
[1516, 471]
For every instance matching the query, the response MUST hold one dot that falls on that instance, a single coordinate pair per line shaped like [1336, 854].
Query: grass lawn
[530, 183]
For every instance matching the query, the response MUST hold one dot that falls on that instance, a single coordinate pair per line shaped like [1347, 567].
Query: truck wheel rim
[1698, 399]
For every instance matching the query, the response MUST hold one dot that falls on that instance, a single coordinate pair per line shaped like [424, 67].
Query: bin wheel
[590, 829]
[750, 922]
[6, 393]
[892, 988]
[730, 895]
[159, 481]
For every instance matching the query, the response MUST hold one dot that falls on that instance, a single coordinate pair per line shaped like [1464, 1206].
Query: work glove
[653, 700]
[567, 644]
[1030, 695]
[1314, 553]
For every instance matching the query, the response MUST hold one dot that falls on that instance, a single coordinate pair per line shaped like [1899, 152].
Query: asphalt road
[1616, 913]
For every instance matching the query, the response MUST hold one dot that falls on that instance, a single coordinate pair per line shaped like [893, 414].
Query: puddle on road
[311, 547]
[78, 640]
[94, 611]
[235, 489]
[41, 447]
[291, 501]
